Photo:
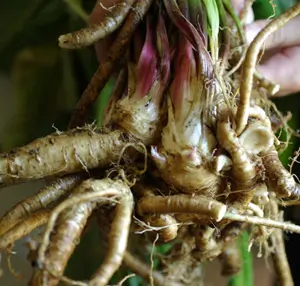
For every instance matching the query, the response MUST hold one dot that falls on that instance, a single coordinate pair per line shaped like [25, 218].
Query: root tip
[63, 42]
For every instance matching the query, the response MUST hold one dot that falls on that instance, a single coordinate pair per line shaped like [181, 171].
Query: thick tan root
[59, 154]
[279, 180]
[63, 241]
[91, 34]
[243, 169]
[23, 228]
[198, 205]
[117, 241]
[39, 201]
[107, 67]
[251, 61]
[165, 224]
[53, 256]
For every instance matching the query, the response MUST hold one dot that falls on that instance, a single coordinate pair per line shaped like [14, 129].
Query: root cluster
[188, 154]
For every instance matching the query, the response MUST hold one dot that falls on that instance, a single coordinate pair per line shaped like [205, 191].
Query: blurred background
[39, 86]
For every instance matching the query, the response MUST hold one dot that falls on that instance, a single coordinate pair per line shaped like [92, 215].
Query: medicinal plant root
[39, 201]
[115, 17]
[187, 155]
[56, 249]
[23, 228]
[61, 153]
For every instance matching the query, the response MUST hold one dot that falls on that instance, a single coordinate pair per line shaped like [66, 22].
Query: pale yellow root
[39, 201]
[117, 240]
[188, 204]
[279, 180]
[263, 221]
[53, 255]
[251, 61]
[23, 228]
[59, 154]
[91, 34]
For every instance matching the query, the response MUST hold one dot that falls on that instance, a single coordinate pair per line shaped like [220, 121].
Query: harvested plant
[187, 154]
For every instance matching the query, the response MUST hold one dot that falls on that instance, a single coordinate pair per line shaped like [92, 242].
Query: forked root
[91, 34]
[68, 220]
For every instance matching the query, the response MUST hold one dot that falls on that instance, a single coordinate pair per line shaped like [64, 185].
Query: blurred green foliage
[47, 81]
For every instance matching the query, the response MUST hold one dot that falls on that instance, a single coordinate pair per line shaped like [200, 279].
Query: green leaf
[103, 99]
[245, 277]
[214, 26]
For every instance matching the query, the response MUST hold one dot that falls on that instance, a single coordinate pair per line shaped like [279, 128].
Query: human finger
[283, 68]
[288, 35]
